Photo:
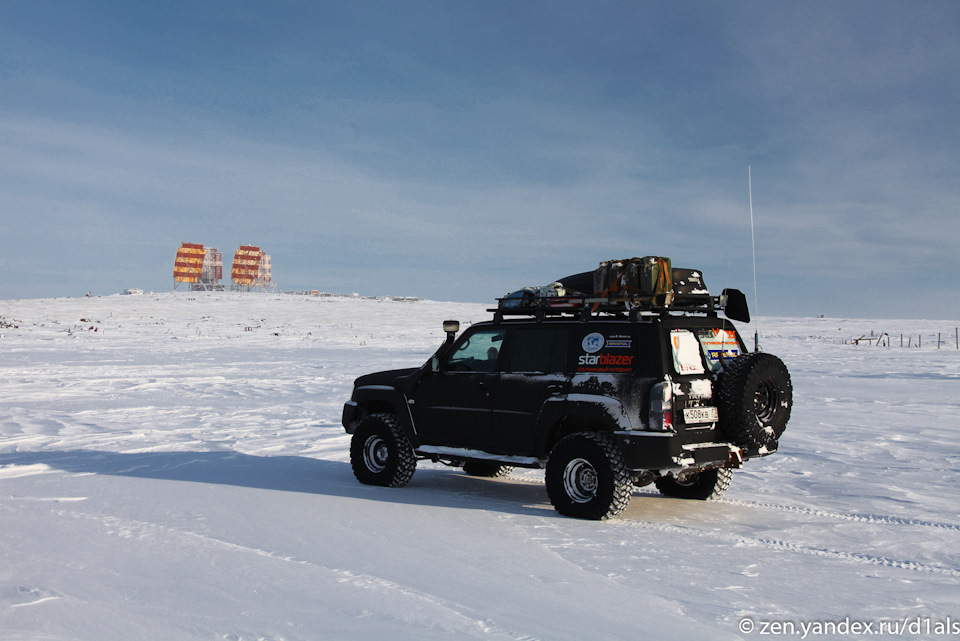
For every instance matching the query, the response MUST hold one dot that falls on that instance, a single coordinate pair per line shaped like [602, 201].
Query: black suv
[605, 393]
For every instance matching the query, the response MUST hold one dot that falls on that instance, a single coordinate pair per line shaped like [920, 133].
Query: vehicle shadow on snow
[429, 487]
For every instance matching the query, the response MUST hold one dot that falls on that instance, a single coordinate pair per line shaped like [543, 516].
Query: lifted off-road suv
[604, 392]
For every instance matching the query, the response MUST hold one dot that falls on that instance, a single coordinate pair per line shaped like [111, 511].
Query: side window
[478, 353]
[648, 346]
[538, 349]
[609, 349]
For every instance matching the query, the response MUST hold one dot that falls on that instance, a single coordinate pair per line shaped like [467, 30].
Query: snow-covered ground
[173, 467]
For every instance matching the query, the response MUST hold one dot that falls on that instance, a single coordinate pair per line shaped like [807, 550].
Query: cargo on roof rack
[631, 288]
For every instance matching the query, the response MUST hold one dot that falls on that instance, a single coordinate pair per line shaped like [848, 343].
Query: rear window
[718, 345]
[686, 352]
[696, 352]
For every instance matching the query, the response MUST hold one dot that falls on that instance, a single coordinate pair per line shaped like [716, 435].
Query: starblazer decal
[606, 354]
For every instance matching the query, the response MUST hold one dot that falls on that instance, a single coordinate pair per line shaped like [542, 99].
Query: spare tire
[756, 396]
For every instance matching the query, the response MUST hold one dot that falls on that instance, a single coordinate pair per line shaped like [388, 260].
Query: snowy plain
[172, 466]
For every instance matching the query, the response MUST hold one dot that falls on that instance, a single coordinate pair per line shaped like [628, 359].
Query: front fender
[372, 399]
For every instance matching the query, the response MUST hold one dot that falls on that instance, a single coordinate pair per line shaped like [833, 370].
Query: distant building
[252, 270]
[201, 268]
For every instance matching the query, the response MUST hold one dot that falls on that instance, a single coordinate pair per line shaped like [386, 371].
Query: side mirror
[734, 305]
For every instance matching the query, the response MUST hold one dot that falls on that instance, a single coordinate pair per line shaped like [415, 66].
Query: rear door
[697, 354]
[532, 371]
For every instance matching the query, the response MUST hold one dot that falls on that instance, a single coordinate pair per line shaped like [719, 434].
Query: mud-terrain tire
[586, 477]
[380, 453]
[755, 399]
[487, 469]
[705, 486]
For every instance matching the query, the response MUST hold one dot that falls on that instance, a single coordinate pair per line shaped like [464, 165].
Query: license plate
[700, 415]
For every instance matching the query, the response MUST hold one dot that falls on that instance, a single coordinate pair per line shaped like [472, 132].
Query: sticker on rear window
[686, 352]
[718, 345]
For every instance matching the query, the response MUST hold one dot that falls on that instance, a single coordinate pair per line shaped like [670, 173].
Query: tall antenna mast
[753, 242]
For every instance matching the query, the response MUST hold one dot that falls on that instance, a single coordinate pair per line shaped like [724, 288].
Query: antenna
[753, 242]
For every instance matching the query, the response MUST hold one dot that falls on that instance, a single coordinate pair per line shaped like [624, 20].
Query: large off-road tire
[486, 468]
[586, 477]
[755, 399]
[380, 453]
[704, 486]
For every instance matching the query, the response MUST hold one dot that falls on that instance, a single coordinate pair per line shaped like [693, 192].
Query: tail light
[661, 407]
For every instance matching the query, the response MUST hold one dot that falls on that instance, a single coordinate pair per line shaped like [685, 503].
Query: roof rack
[586, 307]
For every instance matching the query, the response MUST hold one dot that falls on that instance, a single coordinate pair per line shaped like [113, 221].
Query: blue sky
[461, 150]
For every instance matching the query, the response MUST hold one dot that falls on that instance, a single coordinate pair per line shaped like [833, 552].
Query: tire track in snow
[368, 581]
[463, 622]
[880, 519]
[778, 544]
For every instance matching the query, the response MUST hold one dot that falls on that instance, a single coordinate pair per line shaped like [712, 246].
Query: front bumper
[350, 417]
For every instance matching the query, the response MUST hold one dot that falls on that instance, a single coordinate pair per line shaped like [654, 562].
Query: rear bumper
[649, 450]
[663, 451]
